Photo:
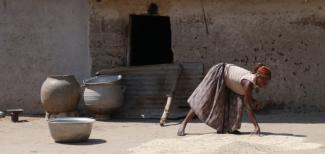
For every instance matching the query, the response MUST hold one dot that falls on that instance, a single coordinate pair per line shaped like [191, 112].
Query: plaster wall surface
[40, 38]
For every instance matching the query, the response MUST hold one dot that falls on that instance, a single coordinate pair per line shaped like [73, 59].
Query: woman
[220, 98]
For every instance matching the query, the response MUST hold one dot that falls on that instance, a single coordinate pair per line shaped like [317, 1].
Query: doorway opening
[150, 40]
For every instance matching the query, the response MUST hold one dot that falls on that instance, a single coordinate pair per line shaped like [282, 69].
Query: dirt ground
[282, 133]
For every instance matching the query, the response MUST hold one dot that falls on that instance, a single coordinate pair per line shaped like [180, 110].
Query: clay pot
[60, 94]
[103, 94]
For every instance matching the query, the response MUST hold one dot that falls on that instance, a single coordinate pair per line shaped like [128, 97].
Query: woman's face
[262, 81]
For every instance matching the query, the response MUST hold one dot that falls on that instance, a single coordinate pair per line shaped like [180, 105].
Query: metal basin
[103, 98]
[70, 129]
[2, 114]
[104, 79]
[103, 94]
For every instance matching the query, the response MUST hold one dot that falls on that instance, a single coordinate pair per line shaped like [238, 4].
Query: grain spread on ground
[225, 143]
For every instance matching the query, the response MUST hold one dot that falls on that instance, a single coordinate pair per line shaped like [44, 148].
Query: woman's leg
[188, 118]
[235, 113]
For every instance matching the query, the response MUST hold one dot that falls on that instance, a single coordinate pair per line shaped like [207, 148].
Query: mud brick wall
[287, 35]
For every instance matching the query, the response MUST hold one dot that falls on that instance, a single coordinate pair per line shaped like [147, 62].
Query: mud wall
[287, 35]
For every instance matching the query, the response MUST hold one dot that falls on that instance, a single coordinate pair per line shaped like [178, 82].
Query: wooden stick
[170, 97]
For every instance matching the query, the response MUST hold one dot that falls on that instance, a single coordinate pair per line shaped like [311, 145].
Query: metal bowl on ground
[70, 129]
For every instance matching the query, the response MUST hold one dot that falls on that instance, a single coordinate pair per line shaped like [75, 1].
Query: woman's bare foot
[181, 131]
[220, 132]
[188, 118]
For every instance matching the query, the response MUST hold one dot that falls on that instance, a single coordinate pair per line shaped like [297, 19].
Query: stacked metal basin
[103, 94]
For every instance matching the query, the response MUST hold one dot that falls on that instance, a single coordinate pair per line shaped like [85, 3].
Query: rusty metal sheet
[147, 86]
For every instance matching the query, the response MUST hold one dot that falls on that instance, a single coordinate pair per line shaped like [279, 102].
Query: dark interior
[150, 40]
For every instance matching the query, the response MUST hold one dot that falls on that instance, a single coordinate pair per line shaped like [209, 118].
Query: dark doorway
[150, 40]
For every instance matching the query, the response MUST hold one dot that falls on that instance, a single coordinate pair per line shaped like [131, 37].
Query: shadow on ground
[89, 142]
[275, 134]
[249, 133]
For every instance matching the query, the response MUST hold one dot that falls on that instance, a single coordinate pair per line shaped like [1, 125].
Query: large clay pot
[60, 94]
[103, 96]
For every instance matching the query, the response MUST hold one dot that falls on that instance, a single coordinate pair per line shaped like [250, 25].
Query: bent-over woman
[223, 94]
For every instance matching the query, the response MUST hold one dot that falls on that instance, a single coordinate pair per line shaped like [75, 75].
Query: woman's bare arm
[248, 100]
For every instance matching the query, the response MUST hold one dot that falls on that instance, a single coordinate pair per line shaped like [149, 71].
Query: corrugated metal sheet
[147, 86]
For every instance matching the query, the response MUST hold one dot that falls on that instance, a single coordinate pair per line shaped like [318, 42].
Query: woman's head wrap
[264, 72]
